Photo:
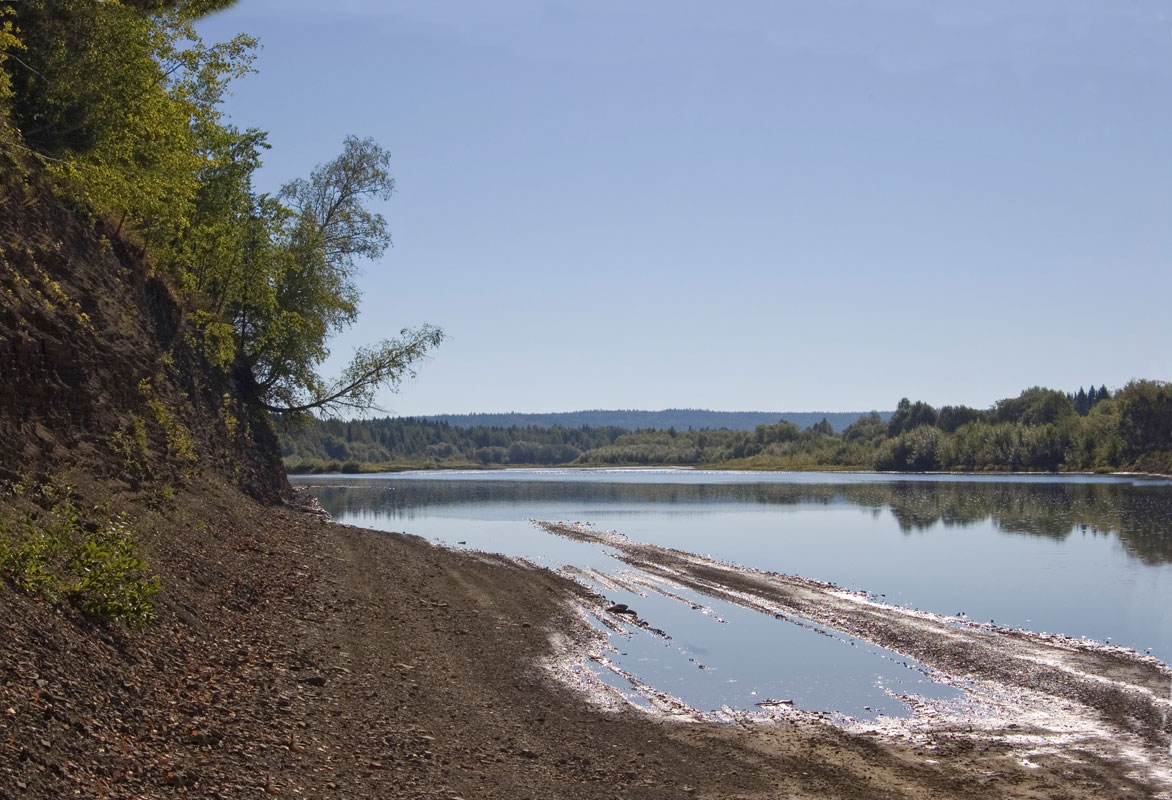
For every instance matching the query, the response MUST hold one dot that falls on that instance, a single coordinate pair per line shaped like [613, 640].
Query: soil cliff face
[99, 373]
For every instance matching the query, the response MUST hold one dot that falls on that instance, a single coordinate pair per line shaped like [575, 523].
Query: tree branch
[369, 370]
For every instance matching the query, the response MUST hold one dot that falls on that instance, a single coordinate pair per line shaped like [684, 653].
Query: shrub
[55, 556]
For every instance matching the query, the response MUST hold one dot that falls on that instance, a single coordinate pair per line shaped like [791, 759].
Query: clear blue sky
[819, 205]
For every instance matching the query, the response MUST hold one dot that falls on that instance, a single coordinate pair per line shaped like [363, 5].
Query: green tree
[910, 415]
[121, 102]
[917, 450]
[10, 43]
[781, 431]
[190, 8]
[1145, 417]
[953, 417]
[107, 94]
[274, 277]
[313, 293]
[1034, 406]
[1082, 402]
[823, 428]
[869, 429]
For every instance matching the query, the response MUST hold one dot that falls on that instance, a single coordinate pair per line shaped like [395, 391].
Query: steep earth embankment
[101, 376]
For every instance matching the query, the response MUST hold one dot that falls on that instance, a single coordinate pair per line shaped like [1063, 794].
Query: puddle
[716, 654]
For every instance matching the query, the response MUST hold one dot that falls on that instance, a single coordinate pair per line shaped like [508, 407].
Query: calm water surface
[1084, 556]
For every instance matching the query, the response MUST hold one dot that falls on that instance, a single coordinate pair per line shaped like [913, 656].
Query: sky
[754, 205]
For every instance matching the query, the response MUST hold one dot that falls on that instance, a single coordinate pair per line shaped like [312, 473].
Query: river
[1084, 556]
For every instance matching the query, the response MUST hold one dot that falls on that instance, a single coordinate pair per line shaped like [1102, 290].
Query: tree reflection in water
[1139, 514]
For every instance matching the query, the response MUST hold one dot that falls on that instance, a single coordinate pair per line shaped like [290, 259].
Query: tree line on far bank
[334, 445]
[1041, 429]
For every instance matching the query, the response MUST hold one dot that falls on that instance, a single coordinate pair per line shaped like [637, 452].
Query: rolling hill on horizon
[634, 419]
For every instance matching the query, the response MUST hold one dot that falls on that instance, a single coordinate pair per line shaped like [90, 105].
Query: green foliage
[326, 445]
[229, 240]
[320, 444]
[229, 420]
[782, 431]
[1099, 445]
[215, 339]
[333, 226]
[682, 419]
[1156, 462]
[180, 442]
[110, 97]
[1145, 417]
[175, 453]
[192, 9]
[9, 43]
[121, 102]
[1009, 447]
[1034, 406]
[131, 444]
[867, 429]
[1133, 430]
[910, 415]
[385, 364]
[1083, 401]
[54, 555]
[916, 450]
[953, 417]
[328, 227]
[823, 427]
[275, 276]
[824, 453]
[111, 581]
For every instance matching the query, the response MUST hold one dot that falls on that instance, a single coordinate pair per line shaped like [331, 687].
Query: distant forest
[678, 418]
[1041, 429]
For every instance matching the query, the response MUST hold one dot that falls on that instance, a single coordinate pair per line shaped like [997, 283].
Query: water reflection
[1084, 557]
[1138, 514]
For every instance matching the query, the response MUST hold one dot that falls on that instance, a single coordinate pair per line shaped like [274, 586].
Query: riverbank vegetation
[1043, 430]
[117, 107]
[157, 312]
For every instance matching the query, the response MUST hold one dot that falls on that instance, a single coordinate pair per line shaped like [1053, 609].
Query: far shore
[381, 469]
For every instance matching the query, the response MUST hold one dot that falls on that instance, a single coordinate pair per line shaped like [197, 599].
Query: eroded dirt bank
[300, 658]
